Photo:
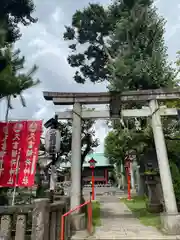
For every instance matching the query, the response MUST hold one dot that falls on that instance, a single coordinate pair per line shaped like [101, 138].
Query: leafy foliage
[14, 12]
[122, 44]
[89, 29]
[88, 140]
[176, 180]
[88, 143]
[13, 79]
[119, 141]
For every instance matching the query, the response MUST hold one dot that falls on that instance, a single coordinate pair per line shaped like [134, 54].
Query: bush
[175, 173]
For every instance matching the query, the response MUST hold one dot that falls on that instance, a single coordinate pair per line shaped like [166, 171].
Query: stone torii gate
[153, 110]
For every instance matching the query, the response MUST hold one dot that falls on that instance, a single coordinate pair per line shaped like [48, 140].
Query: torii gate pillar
[161, 151]
[171, 220]
[76, 157]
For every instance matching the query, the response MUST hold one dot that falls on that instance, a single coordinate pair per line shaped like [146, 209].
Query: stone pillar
[76, 157]
[20, 227]
[140, 182]
[6, 226]
[53, 226]
[40, 219]
[165, 174]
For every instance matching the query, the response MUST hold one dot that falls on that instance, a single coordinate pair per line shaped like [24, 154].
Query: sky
[42, 44]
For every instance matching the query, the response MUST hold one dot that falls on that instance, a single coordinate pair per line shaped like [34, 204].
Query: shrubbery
[175, 172]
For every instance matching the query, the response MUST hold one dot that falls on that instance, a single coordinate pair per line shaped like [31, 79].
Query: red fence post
[72, 210]
[62, 228]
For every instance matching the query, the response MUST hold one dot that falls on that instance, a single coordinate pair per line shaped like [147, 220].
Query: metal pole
[93, 197]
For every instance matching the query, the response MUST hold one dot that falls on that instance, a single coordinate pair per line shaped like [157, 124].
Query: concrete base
[3, 237]
[170, 224]
[78, 222]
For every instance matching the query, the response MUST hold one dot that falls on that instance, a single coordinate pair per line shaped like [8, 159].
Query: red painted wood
[106, 175]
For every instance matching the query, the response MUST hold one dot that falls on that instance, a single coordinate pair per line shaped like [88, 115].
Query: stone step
[80, 235]
[120, 237]
[84, 235]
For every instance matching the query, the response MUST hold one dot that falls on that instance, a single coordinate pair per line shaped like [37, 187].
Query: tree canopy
[13, 80]
[88, 140]
[14, 12]
[122, 44]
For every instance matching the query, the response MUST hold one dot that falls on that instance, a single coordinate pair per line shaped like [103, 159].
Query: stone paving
[118, 222]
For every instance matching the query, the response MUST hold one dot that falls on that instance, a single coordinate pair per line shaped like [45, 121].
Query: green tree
[13, 13]
[119, 141]
[13, 80]
[123, 44]
[88, 143]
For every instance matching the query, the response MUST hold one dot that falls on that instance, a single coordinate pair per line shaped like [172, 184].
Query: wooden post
[106, 175]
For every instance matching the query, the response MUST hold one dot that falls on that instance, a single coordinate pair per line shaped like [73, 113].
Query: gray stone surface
[170, 224]
[78, 222]
[118, 222]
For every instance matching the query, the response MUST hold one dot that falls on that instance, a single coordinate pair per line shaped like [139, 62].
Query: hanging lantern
[52, 141]
[92, 163]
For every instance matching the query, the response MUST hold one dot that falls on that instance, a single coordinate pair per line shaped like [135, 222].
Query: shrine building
[102, 171]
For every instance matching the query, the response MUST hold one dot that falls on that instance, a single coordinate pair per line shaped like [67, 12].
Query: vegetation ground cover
[138, 208]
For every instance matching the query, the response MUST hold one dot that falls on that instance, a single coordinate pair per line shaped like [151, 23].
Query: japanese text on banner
[15, 144]
[30, 155]
[11, 144]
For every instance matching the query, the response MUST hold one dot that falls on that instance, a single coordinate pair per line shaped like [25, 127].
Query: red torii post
[92, 163]
[127, 168]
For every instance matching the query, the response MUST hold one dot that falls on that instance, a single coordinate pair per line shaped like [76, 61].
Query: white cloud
[43, 44]
[58, 15]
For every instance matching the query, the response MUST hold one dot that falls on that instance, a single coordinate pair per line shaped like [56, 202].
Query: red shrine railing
[89, 215]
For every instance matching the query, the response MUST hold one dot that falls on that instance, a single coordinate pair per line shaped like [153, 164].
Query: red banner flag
[3, 150]
[11, 135]
[19, 144]
[29, 155]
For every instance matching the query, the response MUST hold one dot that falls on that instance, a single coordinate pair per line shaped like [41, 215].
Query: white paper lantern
[52, 141]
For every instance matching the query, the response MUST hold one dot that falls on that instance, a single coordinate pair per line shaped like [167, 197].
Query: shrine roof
[101, 160]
